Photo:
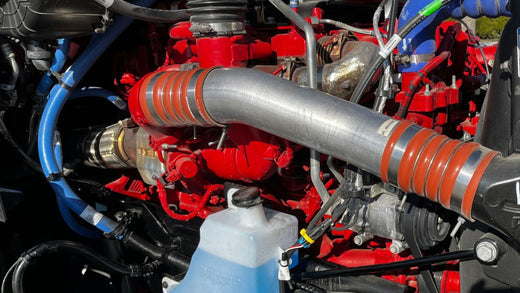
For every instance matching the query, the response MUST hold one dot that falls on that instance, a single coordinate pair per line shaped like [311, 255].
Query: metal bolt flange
[487, 251]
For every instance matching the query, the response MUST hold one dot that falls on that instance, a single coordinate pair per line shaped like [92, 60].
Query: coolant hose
[57, 98]
[101, 93]
[420, 42]
[139, 12]
[66, 214]
[51, 163]
[58, 61]
[74, 225]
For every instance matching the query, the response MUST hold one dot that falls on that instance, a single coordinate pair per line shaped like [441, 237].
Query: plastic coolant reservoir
[239, 247]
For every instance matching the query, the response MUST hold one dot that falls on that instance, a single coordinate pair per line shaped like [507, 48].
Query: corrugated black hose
[144, 13]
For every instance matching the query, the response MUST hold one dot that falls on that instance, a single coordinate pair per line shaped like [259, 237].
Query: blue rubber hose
[420, 42]
[65, 212]
[60, 57]
[57, 98]
[101, 93]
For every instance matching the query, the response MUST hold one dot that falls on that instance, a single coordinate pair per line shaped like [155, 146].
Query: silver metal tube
[345, 26]
[332, 168]
[312, 72]
[310, 39]
[315, 176]
[314, 119]
[375, 23]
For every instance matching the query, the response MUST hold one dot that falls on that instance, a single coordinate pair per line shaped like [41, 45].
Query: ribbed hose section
[171, 99]
[444, 170]
[414, 158]
[217, 17]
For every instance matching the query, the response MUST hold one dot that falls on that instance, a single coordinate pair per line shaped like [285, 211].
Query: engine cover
[48, 20]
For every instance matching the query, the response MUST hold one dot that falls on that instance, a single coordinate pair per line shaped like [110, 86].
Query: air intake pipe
[402, 153]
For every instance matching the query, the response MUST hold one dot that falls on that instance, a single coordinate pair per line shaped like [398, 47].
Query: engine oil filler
[239, 247]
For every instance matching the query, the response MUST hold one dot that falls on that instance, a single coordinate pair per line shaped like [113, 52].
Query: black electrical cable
[9, 138]
[342, 188]
[380, 58]
[6, 276]
[393, 18]
[69, 247]
[461, 255]
[144, 13]
[392, 25]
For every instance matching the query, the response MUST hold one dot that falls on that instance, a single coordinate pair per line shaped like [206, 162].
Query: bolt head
[396, 248]
[486, 251]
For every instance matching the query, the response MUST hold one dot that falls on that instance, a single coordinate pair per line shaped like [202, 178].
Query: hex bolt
[486, 251]
[397, 247]
[427, 90]
[454, 82]
[460, 221]
[362, 238]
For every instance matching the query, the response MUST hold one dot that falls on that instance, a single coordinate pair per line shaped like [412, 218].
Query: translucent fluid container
[239, 250]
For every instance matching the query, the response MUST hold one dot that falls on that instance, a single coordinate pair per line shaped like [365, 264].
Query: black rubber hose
[164, 255]
[143, 13]
[373, 269]
[393, 18]
[18, 273]
[380, 58]
[70, 247]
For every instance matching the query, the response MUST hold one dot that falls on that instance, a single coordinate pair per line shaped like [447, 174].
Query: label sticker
[283, 273]
[386, 128]
[390, 46]
[91, 215]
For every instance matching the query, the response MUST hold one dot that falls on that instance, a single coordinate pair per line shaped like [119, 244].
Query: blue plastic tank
[239, 248]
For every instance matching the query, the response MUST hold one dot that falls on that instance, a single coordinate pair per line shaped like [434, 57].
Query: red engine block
[199, 160]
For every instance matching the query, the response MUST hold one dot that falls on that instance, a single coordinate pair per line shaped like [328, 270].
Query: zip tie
[307, 238]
